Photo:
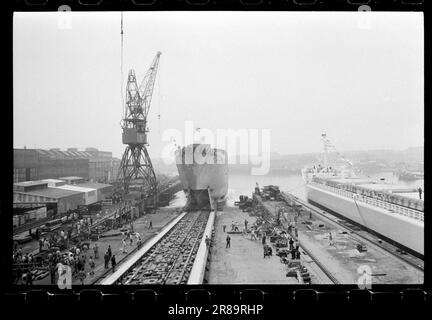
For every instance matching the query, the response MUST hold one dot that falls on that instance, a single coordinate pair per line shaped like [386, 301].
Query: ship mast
[326, 145]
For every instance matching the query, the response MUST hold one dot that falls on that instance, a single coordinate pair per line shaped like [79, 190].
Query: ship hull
[205, 184]
[402, 230]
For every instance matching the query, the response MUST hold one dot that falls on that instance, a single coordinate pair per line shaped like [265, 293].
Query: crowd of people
[24, 264]
[259, 230]
[55, 252]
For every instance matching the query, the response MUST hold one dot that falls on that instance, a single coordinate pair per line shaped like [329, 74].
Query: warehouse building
[58, 195]
[72, 180]
[39, 192]
[23, 215]
[54, 182]
[90, 195]
[103, 190]
[91, 164]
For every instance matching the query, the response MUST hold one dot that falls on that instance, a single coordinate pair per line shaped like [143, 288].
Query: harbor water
[242, 184]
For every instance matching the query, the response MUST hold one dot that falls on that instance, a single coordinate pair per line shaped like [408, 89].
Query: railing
[418, 215]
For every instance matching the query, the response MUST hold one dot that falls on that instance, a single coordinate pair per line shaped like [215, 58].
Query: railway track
[170, 260]
[359, 235]
[323, 268]
[315, 260]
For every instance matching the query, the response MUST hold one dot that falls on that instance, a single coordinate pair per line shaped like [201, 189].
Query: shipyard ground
[342, 258]
[337, 261]
[32, 247]
[141, 225]
[243, 262]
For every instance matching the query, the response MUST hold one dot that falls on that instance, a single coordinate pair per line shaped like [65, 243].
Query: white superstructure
[387, 209]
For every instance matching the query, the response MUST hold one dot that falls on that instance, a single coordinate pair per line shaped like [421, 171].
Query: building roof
[30, 183]
[76, 188]
[70, 153]
[71, 178]
[64, 154]
[52, 192]
[52, 180]
[93, 185]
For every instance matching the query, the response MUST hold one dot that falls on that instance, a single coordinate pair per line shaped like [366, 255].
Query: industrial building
[72, 180]
[48, 198]
[39, 192]
[38, 164]
[102, 190]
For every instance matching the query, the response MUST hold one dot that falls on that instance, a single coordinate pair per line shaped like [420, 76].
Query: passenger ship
[393, 212]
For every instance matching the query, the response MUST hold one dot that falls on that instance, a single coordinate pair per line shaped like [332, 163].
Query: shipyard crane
[136, 169]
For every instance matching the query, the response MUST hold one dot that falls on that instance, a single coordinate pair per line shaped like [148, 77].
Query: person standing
[293, 254]
[29, 278]
[82, 275]
[109, 252]
[228, 242]
[330, 239]
[96, 251]
[291, 243]
[124, 250]
[420, 192]
[113, 263]
[138, 239]
[106, 260]
[263, 239]
[92, 266]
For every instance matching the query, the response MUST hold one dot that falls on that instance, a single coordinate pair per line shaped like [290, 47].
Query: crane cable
[159, 100]
[121, 69]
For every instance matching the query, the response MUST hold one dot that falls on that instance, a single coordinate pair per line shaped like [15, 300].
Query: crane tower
[136, 169]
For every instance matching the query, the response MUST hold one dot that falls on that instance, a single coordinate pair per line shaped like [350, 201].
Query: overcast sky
[297, 74]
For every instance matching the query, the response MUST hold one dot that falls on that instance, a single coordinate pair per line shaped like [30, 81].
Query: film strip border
[327, 5]
[205, 296]
[281, 296]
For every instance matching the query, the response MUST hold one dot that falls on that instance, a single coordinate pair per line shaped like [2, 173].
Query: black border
[274, 297]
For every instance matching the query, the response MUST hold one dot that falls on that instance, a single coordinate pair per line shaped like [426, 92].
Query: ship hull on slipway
[203, 173]
[395, 227]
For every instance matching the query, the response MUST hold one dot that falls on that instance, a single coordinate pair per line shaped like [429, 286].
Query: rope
[121, 67]
[159, 100]
[358, 209]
